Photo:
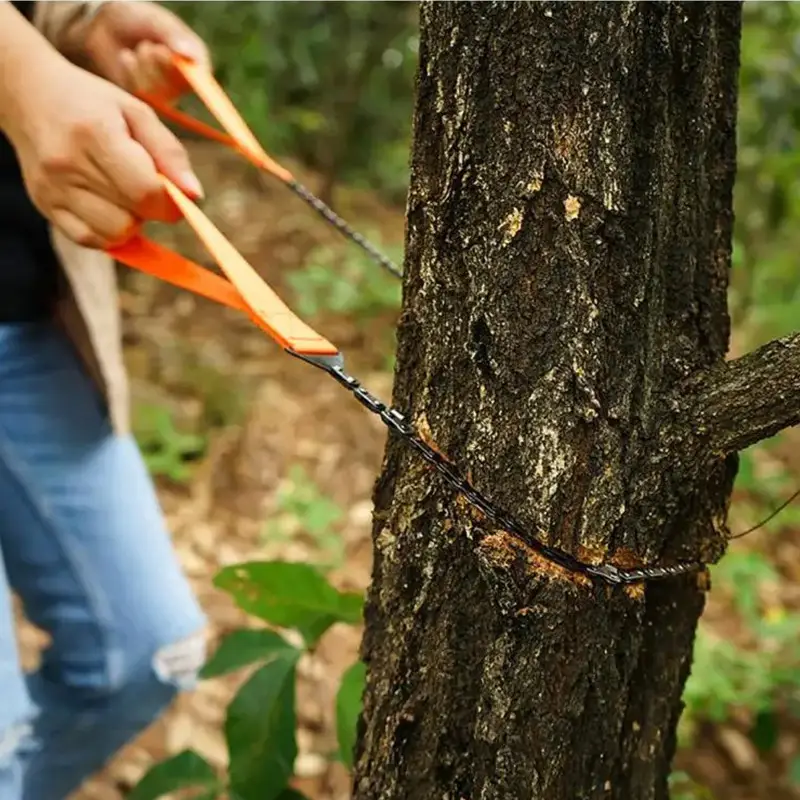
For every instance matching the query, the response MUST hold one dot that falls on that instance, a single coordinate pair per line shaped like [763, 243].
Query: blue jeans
[84, 545]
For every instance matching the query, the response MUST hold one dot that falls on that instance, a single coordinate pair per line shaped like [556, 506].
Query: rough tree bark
[563, 338]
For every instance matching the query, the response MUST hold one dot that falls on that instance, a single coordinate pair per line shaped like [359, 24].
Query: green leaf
[260, 730]
[242, 648]
[289, 595]
[348, 710]
[351, 607]
[764, 733]
[185, 770]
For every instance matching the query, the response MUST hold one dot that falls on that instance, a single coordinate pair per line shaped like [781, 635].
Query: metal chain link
[396, 422]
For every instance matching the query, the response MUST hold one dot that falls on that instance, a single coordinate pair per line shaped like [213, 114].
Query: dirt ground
[188, 354]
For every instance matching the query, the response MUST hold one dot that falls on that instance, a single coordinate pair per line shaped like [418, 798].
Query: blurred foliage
[757, 671]
[751, 666]
[304, 510]
[350, 283]
[167, 451]
[223, 404]
[683, 787]
[760, 674]
[353, 285]
[328, 83]
[765, 291]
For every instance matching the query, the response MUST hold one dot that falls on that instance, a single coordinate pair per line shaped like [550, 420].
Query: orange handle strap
[237, 134]
[244, 290]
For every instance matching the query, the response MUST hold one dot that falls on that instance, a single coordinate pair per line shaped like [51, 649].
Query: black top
[28, 265]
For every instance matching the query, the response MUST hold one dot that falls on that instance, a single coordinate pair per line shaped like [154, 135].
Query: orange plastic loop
[244, 290]
[188, 122]
[239, 136]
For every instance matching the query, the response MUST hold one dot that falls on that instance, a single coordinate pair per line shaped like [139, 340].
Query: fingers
[147, 65]
[129, 153]
[92, 221]
[129, 178]
[75, 228]
[170, 31]
[164, 77]
[164, 148]
[150, 69]
[106, 159]
[128, 77]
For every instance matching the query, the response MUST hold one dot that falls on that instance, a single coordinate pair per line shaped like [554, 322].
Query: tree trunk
[562, 339]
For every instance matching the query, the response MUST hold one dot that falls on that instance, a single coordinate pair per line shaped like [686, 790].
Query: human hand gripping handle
[244, 290]
[89, 151]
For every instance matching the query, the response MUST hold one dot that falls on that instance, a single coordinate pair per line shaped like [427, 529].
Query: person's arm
[90, 152]
[23, 49]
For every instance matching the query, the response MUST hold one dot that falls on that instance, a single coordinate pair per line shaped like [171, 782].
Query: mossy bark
[568, 249]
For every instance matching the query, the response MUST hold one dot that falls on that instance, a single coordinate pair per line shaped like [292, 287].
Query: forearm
[23, 51]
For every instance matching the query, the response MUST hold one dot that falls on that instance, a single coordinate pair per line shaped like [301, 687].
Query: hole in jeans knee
[179, 663]
[11, 741]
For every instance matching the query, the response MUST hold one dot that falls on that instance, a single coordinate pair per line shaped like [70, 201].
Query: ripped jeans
[85, 547]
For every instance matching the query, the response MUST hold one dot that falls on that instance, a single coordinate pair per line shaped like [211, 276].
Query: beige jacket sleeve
[54, 17]
[89, 311]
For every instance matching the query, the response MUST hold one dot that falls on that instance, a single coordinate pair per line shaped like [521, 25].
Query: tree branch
[750, 398]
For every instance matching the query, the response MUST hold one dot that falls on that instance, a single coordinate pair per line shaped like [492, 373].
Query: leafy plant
[757, 671]
[765, 282]
[186, 770]
[683, 787]
[762, 677]
[351, 285]
[303, 508]
[261, 721]
[165, 449]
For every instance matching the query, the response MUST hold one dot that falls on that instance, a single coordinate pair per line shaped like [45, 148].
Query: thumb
[163, 27]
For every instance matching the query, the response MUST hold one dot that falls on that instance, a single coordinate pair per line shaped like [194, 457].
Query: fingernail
[186, 49]
[192, 185]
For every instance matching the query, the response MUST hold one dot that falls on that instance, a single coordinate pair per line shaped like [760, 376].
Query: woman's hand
[91, 153]
[132, 43]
